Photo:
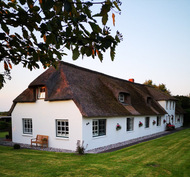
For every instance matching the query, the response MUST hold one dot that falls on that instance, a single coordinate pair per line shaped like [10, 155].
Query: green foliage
[16, 146]
[80, 148]
[184, 102]
[60, 23]
[161, 87]
[166, 156]
[4, 125]
[3, 113]
[3, 134]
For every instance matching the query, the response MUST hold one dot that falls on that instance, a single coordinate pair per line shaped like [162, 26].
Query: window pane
[99, 127]
[147, 122]
[130, 124]
[62, 128]
[27, 126]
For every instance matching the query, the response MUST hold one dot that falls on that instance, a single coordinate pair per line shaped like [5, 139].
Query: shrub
[80, 148]
[16, 146]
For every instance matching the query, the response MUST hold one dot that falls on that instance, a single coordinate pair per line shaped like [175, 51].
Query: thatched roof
[94, 93]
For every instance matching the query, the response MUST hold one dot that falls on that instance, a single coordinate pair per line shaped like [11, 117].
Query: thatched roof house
[71, 103]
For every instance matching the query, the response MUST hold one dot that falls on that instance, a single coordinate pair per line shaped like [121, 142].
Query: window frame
[64, 128]
[147, 125]
[96, 128]
[158, 121]
[121, 97]
[131, 122]
[41, 92]
[27, 127]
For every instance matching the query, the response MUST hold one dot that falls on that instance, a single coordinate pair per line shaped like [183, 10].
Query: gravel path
[110, 148]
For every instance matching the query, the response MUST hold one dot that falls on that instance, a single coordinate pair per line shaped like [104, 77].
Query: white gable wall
[169, 106]
[113, 136]
[44, 115]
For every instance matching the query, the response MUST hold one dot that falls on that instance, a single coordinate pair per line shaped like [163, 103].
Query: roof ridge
[97, 72]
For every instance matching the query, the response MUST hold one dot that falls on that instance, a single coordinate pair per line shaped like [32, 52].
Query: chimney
[131, 80]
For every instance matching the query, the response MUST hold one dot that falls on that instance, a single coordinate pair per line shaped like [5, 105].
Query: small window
[121, 97]
[130, 124]
[27, 126]
[149, 100]
[62, 128]
[147, 122]
[158, 121]
[41, 92]
[124, 98]
[99, 127]
[166, 104]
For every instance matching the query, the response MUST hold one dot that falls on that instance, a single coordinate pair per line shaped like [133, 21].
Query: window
[158, 120]
[124, 98]
[166, 104]
[147, 121]
[130, 124]
[27, 126]
[62, 128]
[121, 97]
[149, 101]
[99, 127]
[41, 92]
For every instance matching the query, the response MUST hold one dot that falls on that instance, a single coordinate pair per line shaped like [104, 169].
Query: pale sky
[156, 46]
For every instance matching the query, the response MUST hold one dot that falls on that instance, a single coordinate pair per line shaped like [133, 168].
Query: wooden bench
[40, 140]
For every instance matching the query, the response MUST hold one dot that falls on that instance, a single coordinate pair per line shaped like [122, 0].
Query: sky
[156, 46]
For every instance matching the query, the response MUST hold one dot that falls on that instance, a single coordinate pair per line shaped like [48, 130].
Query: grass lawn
[3, 134]
[166, 156]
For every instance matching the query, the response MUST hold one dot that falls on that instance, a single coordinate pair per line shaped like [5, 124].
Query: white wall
[44, 115]
[113, 136]
[170, 109]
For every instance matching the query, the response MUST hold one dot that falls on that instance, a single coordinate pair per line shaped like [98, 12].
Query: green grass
[166, 156]
[3, 134]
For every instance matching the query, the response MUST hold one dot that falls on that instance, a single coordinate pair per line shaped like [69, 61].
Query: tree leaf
[25, 33]
[5, 28]
[6, 66]
[67, 6]
[2, 36]
[100, 56]
[112, 53]
[116, 5]
[75, 53]
[44, 37]
[95, 27]
[22, 2]
[113, 17]
[104, 19]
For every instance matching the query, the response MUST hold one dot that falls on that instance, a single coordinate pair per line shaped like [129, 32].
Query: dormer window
[41, 92]
[124, 98]
[121, 98]
[149, 100]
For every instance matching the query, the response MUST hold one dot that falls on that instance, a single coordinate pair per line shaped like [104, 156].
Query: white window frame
[130, 122]
[121, 98]
[158, 122]
[62, 128]
[147, 126]
[27, 126]
[41, 92]
[96, 127]
[174, 105]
